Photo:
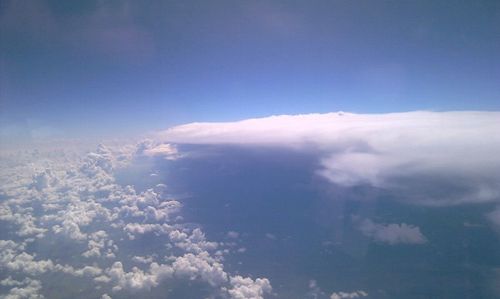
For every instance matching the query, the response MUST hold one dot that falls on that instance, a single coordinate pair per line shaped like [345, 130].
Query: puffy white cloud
[434, 158]
[100, 160]
[143, 259]
[152, 149]
[342, 295]
[133, 229]
[74, 200]
[43, 180]
[247, 288]
[392, 233]
[9, 281]
[70, 229]
[23, 262]
[87, 271]
[14, 259]
[200, 266]
[147, 206]
[136, 279]
[194, 243]
[25, 289]
[14, 211]
[99, 241]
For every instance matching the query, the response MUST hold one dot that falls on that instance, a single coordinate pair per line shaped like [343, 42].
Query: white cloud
[83, 206]
[194, 243]
[247, 288]
[136, 279]
[143, 259]
[14, 259]
[392, 233]
[200, 266]
[87, 271]
[9, 281]
[343, 295]
[152, 149]
[134, 229]
[25, 289]
[434, 158]
[98, 242]
[25, 262]
[43, 180]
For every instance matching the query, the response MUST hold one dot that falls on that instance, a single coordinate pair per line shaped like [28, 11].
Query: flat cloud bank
[432, 158]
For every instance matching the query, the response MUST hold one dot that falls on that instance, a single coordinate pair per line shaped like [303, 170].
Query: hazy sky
[112, 67]
[198, 191]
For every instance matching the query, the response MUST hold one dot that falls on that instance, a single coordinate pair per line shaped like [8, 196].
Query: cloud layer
[74, 200]
[433, 158]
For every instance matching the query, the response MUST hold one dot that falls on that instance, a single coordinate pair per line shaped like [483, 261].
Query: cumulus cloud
[434, 158]
[25, 289]
[43, 180]
[73, 199]
[152, 149]
[247, 288]
[143, 259]
[392, 234]
[136, 279]
[98, 242]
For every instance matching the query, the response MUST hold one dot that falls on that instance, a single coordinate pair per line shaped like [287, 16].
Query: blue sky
[211, 197]
[119, 67]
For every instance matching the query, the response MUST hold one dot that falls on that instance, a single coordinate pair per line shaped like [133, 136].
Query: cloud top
[406, 153]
